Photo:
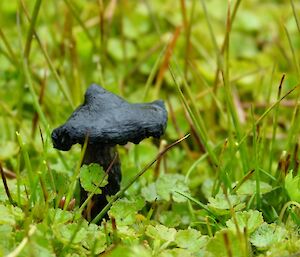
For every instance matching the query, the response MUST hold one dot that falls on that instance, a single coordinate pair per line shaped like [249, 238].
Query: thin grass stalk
[287, 205]
[73, 180]
[294, 54]
[173, 119]
[190, 104]
[144, 57]
[217, 182]
[194, 166]
[7, 56]
[193, 106]
[18, 180]
[72, 238]
[80, 22]
[232, 18]
[268, 146]
[36, 102]
[295, 15]
[183, 14]
[223, 47]
[102, 38]
[263, 116]
[203, 206]
[21, 80]
[40, 97]
[229, 97]
[255, 155]
[267, 174]
[8, 47]
[152, 17]
[30, 34]
[48, 60]
[91, 194]
[188, 31]
[101, 23]
[212, 34]
[166, 60]
[6, 188]
[44, 161]
[31, 177]
[135, 178]
[247, 176]
[152, 74]
[233, 215]
[209, 91]
[274, 126]
[17, 251]
[199, 128]
[124, 47]
[296, 117]
[11, 56]
[208, 226]
[294, 127]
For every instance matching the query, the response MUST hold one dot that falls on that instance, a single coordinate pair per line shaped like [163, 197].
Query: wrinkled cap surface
[106, 118]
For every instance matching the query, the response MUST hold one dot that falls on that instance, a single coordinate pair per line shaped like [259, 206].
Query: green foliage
[125, 211]
[246, 220]
[267, 236]
[222, 205]
[10, 215]
[92, 178]
[165, 188]
[249, 185]
[225, 242]
[8, 150]
[161, 233]
[292, 186]
[191, 240]
[230, 189]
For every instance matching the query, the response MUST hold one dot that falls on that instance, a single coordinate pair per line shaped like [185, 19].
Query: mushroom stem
[104, 156]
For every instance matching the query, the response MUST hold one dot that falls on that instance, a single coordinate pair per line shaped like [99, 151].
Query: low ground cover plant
[220, 179]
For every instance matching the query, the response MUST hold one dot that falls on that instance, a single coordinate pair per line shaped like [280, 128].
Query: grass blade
[31, 28]
[131, 181]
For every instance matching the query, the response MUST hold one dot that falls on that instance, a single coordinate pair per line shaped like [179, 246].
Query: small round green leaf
[92, 178]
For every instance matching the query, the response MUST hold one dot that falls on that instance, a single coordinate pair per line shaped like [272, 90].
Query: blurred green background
[220, 66]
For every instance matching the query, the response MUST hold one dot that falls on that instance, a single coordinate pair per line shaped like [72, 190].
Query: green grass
[228, 72]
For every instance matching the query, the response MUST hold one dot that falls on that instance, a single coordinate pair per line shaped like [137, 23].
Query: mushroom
[108, 120]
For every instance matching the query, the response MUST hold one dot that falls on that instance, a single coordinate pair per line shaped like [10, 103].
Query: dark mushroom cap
[108, 119]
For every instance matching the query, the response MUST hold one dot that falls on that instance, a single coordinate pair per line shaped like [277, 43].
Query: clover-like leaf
[67, 232]
[129, 251]
[292, 186]
[167, 186]
[220, 205]
[249, 188]
[10, 214]
[95, 239]
[190, 239]
[92, 177]
[226, 241]
[267, 235]
[246, 219]
[177, 252]
[149, 192]
[161, 233]
[59, 216]
[124, 210]
[7, 245]
[170, 218]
